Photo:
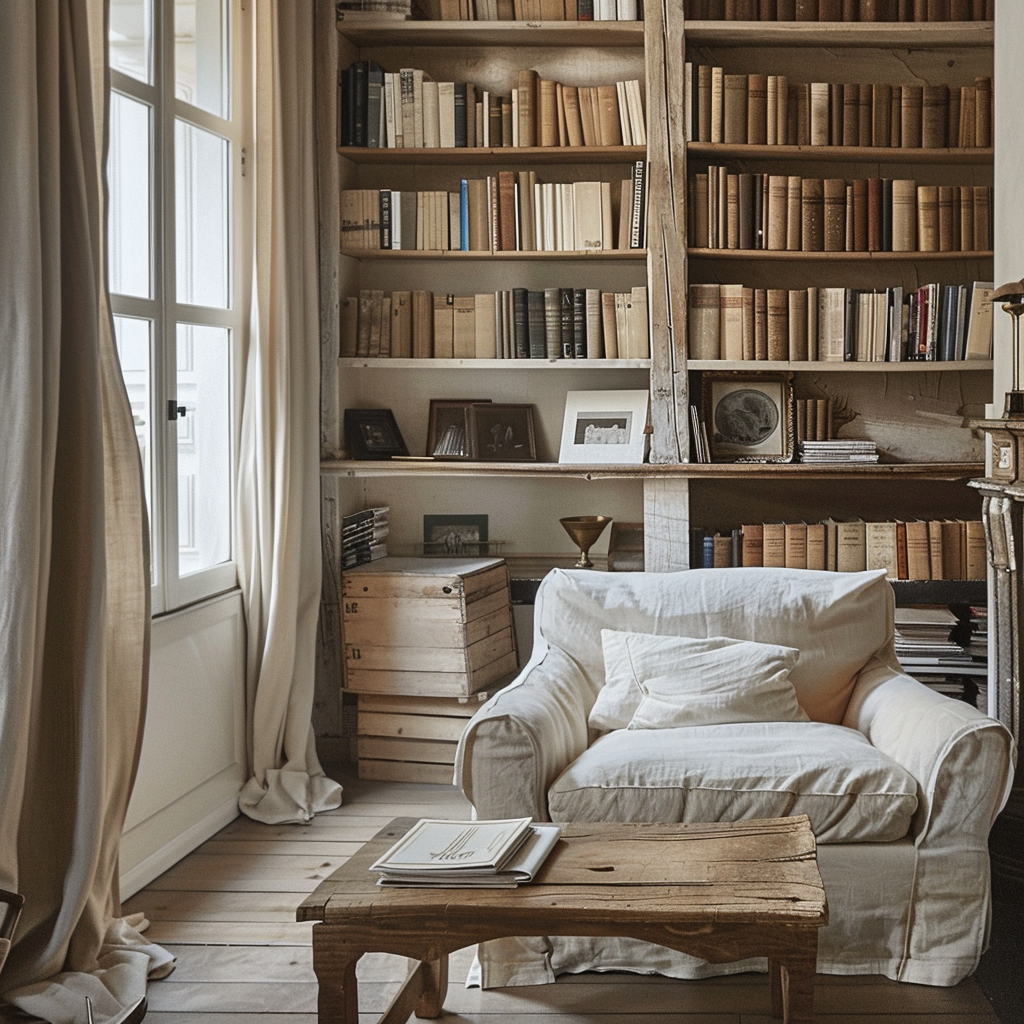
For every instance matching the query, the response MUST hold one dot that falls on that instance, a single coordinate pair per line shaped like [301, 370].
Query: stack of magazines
[491, 854]
[840, 450]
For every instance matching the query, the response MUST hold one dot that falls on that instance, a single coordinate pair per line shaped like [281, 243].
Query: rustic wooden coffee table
[722, 892]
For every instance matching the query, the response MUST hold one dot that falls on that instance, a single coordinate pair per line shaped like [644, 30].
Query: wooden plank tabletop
[746, 871]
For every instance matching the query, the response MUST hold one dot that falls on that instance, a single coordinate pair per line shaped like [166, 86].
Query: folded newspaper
[492, 854]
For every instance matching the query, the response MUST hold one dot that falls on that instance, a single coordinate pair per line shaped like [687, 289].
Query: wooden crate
[411, 739]
[437, 627]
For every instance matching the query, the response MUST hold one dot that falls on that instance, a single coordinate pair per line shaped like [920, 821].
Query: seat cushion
[850, 791]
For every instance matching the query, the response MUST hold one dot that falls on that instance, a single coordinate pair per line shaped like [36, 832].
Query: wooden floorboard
[227, 913]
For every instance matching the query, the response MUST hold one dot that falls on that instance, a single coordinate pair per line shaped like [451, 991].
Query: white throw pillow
[664, 682]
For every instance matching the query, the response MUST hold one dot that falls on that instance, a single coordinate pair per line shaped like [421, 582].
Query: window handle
[174, 410]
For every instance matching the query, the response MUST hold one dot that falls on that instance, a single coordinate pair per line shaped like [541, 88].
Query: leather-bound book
[731, 321]
[506, 211]
[887, 215]
[911, 112]
[851, 227]
[547, 122]
[874, 214]
[834, 214]
[869, 10]
[610, 127]
[801, 94]
[830, 10]
[946, 218]
[850, 10]
[966, 217]
[928, 218]
[983, 112]
[819, 114]
[953, 118]
[982, 204]
[812, 295]
[794, 213]
[860, 215]
[760, 323]
[806, 10]
[573, 115]
[732, 211]
[934, 116]
[881, 114]
[812, 213]
[851, 113]
[835, 113]
[896, 121]
[699, 219]
[748, 324]
[717, 104]
[734, 110]
[778, 324]
[745, 188]
[864, 116]
[757, 109]
[968, 133]
[704, 322]
[704, 103]
[526, 87]
[778, 190]
[921, 14]
[904, 215]
[797, 301]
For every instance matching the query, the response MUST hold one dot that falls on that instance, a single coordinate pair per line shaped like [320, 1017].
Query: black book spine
[637, 236]
[887, 214]
[374, 99]
[460, 114]
[585, 10]
[579, 322]
[346, 109]
[520, 325]
[758, 211]
[568, 324]
[535, 324]
[385, 218]
[850, 325]
[359, 103]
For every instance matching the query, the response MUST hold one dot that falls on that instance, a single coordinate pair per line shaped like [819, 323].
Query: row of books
[911, 550]
[791, 213]
[815, 419]
[363, 536]
[555, 323]
[759, 110]
[843, 10]
[405, 109]
[933, 322]
[533, 10]
[505, 212]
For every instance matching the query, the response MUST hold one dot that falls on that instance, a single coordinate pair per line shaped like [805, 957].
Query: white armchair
[901, 784]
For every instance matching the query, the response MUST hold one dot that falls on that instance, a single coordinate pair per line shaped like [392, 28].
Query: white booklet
[493, 854]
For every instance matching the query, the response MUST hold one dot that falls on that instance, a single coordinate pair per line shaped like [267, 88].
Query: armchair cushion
[660, 682]
[851, 791]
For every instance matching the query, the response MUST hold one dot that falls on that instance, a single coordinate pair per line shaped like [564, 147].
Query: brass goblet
[584, 531]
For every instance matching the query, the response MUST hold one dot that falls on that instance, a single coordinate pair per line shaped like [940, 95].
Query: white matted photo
[605, 427]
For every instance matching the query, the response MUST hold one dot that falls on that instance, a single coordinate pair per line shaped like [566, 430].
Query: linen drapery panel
[74, 606]
[279, 470]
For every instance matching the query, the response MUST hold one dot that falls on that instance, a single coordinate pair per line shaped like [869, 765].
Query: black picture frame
[502, 432]
[373, 434]
[455, 534]
[448, 427]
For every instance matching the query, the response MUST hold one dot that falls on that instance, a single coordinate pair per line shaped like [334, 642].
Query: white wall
[193, 758]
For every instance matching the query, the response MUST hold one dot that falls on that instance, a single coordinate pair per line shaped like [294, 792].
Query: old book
[485, 326]
[982, 234]
[975, 557]
[734, 108]
[778, 324]
[732, 211]
[896, 118]
[965, 194]
[526, 88]
[745, 210]
[444, 306]
[748, 323]
[851, 114]
[431, 115]
[806, 10]
[585, 98]
[704, 103]
[800, 105]
[835, 109]
[752, 544]
[812, 213]
[936, 556]
[547, 112]
[717, 112]
[881, 114]
[760, 323]
[834, 214]
[731, 321]
[782, 109]
[819, 114]
[864, 123]
[774, 545]
[422, 324]
[757, 109]
[874, 214]
[831, 324]
[945, 206]
[880, 548]
[796, 545]
[904, 215]
[552, 323]
[699, 221]
[573, 117]
[911, 113]
[934, 116]
[349, 326]
[983, 111]
[860, 215]
[928, 218]
[609, 327]
[401, 324]
[797, 345]
[463, 315]
[953, 549]
[607, 116]
[811, 306]
[979, 322]
[816, 546]
[850, 546]
[777, 213]
[703, 322]
[968, 133]
[588, 219]
[637, 323]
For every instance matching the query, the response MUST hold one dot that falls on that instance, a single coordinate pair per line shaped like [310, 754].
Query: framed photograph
[605, 427]
[748, 417]
[500, 432]
[373, 434]
[455, 535]
[448, 427]
[626, 547]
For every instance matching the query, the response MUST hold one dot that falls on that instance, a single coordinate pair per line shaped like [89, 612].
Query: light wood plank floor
[227, 912]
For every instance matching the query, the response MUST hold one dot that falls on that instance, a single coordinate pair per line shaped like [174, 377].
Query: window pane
[129, 173]
[202, 196]
[204, 447]
[131, 38]
[132, 337]
[201, 54]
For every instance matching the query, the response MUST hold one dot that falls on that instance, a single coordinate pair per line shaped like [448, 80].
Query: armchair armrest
[524, 737]
[962, 759]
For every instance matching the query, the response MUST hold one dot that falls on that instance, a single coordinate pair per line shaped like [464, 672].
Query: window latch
[174, 410]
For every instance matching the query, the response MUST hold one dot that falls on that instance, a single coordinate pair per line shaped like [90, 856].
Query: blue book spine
[709, 551]
[464, 216]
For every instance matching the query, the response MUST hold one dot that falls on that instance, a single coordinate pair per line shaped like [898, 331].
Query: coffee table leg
[335, 969]
[435, 985]
[792, 983]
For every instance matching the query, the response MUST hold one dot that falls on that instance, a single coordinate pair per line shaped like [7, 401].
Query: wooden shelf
[688, 470]
[386, 32]
[497, 155]
[884, 35]
[859, 154]
[386, 363]
[820, 366]
[799, 256]
[611, 255]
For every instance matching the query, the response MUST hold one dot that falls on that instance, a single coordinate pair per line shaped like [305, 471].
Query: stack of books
[489, 854]
[373, 10]
[363, 536]
[838, 450]
[933, 647]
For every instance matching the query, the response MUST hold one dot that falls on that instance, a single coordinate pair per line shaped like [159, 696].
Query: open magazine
[500, 853]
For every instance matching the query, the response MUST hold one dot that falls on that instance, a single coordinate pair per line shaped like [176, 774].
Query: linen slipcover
[913, 909]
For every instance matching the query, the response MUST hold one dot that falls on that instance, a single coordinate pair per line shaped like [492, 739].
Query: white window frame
[171, 590]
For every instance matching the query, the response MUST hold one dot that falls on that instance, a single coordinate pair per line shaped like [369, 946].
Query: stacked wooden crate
[426, 641]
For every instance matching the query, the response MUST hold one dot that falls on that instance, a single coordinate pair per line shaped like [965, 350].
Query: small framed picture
[500, 432]
[455, 535]
[448, 427]
[605, 427]
[373, 434]
[748, 417]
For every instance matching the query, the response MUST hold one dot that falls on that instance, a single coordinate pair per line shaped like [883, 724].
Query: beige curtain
[279, 488]
[74, 605]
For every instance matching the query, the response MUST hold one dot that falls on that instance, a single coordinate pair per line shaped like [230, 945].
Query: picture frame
[373, 434]
[605, 427]
[748, 416]
[455, 534]
[448, 427]
[626, 547]
[502, 432]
